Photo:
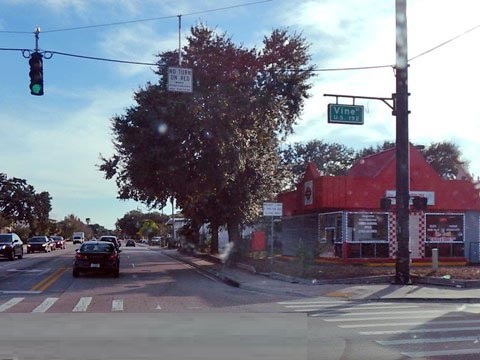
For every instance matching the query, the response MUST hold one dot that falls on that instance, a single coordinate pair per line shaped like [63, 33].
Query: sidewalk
[373, 289]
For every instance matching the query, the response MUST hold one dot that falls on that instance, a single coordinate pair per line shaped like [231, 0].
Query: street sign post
[180, 79]
[345, 114]
[272, 209]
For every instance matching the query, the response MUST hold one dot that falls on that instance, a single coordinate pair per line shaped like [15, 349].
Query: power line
[141, 20]
[445, 42]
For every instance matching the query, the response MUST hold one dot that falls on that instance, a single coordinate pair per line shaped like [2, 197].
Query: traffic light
[420, 203]
[385, 204]
[36, 74]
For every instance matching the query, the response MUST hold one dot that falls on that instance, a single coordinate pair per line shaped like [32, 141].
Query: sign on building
[180, 79]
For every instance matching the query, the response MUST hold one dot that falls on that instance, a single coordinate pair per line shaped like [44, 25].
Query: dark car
[130, 242]
[112, 239]
[40, 243]
[59, 241]
[97, 256]
[11, 246]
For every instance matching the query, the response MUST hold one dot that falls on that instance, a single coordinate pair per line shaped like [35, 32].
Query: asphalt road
[160, 308]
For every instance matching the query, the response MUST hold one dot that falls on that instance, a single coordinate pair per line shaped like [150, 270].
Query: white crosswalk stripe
[117, 305]
[10, 303]
[415, 331]
[82, 304]
[45, 305]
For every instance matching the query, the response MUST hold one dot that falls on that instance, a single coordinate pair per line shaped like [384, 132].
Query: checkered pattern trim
[392, 234]
[422, 233]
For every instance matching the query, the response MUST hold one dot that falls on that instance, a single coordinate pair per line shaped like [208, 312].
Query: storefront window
[330, 228]
[445, 232]
[367, 235]
[367, 227]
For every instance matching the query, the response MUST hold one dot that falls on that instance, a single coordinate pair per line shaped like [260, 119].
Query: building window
[367, 235]
[445, 232]
[330, 228]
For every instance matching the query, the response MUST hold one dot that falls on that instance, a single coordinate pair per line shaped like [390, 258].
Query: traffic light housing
[420, 203]
[36, 74]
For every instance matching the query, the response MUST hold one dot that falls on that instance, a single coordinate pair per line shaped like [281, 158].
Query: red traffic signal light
[36, 74]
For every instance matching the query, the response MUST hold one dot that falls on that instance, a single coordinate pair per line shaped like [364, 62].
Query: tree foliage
[135, 223]
[213, 150]
[331, 159]
[335, 159]
[446, 158]
[19, 203]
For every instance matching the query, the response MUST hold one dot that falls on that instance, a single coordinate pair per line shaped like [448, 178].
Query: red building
[340, 216]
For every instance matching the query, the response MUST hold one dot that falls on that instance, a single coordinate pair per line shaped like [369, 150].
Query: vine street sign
[345, 114]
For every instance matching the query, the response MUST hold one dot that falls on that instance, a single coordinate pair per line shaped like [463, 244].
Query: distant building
[341, 216]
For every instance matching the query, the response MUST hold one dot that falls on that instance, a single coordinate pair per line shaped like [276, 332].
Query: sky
[55, 141]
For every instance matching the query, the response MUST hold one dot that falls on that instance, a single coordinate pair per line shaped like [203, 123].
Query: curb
[225, 279]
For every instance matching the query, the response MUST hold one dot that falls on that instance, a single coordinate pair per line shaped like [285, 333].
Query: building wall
[472, 236]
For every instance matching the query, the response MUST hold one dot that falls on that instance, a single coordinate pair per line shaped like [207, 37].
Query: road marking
[45, 305]
[475, 339]
[10, 303]
[349, 308]
[117, 305]
[382, 313]
[82, 304]
[424, 354]
[413, 323]
[416, 331]
[49, 280]
[420, 316]
[314, 302]
[6, 292]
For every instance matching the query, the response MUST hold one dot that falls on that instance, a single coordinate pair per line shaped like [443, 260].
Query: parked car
[97, 256]
[130, 242]
[59, 241]
[40, 243]
[112, 239]
[11, 246]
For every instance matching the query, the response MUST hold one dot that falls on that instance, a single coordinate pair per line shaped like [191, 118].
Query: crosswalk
[82, 305]
[413, 330]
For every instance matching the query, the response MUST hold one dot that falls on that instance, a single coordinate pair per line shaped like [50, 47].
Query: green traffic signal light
[36, 74]
[37, 89]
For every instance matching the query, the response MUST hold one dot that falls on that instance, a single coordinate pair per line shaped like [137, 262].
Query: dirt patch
[345, 271]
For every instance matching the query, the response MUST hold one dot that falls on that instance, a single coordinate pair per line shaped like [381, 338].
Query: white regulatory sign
[272, 209]
[180, 79]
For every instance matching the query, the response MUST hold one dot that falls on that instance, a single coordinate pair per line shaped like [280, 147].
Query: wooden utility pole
[402, 273]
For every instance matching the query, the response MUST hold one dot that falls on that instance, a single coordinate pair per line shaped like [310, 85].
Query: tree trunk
[214, 242]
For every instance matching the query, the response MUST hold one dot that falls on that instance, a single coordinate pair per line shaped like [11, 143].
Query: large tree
[213, 150]
[331, 159]
[19, 203]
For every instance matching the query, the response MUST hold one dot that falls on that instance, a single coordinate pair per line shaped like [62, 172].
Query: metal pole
[402, 147]
[271, 245]
[179, 40]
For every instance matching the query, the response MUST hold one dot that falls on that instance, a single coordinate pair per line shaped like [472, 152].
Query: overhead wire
[210, 11]
[141, 20]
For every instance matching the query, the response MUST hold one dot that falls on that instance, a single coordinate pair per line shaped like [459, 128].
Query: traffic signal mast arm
[383, 99]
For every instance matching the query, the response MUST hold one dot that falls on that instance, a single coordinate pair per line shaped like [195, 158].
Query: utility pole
[402, 268]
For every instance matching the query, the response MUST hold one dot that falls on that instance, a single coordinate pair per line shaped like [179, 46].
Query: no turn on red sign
[180, 79]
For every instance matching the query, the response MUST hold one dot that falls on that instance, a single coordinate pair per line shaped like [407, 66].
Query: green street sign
[345, 114]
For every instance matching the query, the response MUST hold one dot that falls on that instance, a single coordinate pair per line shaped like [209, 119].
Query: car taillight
[113, 257]
[81, 257]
